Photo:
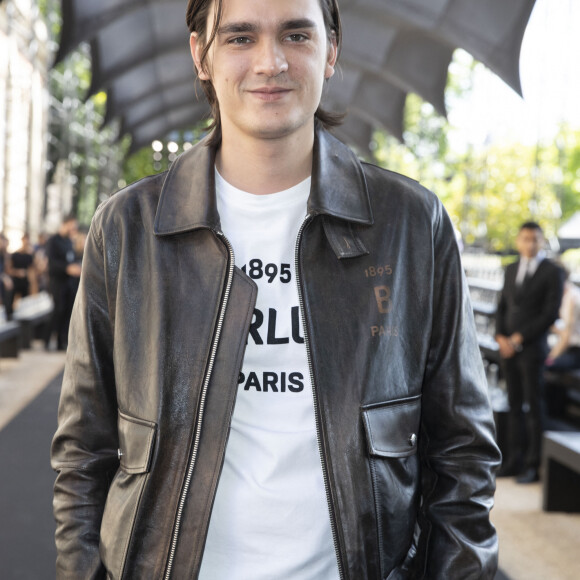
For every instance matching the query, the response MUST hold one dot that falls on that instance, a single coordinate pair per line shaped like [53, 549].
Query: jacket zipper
[332, 514]
[203, 396]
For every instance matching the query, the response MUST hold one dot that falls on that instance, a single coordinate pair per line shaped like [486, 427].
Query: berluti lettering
[383, 298]
[272, 334]
[384, 330]
[272, 382]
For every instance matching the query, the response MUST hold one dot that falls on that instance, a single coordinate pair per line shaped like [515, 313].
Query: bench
[562, 395]
[561, 471]
[33, 314]
[484, 297]
[484, 294]
[9, 339]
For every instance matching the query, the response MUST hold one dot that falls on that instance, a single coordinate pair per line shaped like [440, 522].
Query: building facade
[25, 57]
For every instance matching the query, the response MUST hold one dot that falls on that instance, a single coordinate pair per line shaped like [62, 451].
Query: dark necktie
[528, 273]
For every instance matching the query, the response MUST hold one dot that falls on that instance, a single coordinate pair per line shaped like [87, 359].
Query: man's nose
[271, 59]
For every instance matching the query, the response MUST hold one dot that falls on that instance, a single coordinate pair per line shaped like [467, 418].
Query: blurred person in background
[22, 269]
[527, 308]
[565, 354]
[41, 263]
[6, 284]
[79, 241]
[61, 268]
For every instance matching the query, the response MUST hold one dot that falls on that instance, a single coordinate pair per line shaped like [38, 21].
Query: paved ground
[27, 550]
[534, 545]
[23, 378]
[29, 392]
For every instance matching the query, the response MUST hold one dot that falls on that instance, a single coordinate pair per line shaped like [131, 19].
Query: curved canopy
[141, 58]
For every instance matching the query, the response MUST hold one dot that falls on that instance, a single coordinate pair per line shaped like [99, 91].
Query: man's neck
[263, 166]
[539, 256]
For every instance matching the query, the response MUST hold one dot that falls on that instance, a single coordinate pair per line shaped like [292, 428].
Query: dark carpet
[27, 549]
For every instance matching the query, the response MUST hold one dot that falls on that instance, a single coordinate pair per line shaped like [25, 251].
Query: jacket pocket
[392, 436]
[136, 445]
[136, 438]
[392, 428]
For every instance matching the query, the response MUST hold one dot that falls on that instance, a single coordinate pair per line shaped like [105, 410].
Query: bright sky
[550, 73]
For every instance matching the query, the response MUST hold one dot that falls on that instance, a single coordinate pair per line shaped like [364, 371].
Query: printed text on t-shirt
[256, 270]
[271, 333]
[272, 382]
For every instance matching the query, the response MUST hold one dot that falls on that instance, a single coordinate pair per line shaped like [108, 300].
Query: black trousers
[524, 379]
[59, 324]
[7, 299]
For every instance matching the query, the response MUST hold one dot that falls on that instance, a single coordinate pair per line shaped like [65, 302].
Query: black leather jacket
[156, 345]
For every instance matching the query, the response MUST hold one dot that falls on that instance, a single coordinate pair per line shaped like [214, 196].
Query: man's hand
[7, 281]
[74, 270]
[506, 347]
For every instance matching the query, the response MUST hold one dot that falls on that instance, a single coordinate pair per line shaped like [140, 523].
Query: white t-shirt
[270, 519]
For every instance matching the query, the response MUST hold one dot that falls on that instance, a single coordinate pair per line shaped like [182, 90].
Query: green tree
[92, 152]
[497, 189]
[568, 147]
[488, 191]
[146, 161]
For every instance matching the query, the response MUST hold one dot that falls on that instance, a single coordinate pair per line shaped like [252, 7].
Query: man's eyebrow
[298, 23]
[242, 27]
[237, 27]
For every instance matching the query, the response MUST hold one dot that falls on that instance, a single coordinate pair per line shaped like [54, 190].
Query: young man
[528, 306]
[273, 371]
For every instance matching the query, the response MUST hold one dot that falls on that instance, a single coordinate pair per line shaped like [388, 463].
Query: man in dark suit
[62, 267]
[527, 308]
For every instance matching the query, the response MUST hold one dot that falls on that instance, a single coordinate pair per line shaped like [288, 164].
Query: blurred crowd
[53, 266]
[565, 352]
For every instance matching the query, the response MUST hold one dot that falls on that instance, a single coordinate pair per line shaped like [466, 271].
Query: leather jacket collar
[188, 200]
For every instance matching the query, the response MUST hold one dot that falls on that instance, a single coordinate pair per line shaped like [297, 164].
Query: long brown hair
[197, 20]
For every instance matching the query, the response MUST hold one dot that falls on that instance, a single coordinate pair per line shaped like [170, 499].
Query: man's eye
[239, 40]
[297, 37]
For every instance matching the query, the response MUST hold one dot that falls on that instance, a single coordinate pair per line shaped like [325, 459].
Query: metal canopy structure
[141, 57]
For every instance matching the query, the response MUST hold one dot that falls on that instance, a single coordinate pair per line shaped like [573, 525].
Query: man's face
[267, 66]
[529, 242]
[70, 228]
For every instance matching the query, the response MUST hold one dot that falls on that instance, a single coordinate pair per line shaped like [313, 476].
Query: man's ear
[331, 57]
[196, 47]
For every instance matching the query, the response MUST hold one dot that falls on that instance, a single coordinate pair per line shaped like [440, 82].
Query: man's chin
[277, 130]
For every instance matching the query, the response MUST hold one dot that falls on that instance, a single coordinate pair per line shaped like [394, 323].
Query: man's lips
[270, 93]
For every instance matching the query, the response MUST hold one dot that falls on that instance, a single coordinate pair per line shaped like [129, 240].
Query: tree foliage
[50, 12]
[146, 161]
[488, 191]
[91, 151]
[568, 146]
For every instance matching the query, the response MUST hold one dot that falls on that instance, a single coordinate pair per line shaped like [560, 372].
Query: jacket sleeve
[458, 445]
[84, 448]
[536, 326]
